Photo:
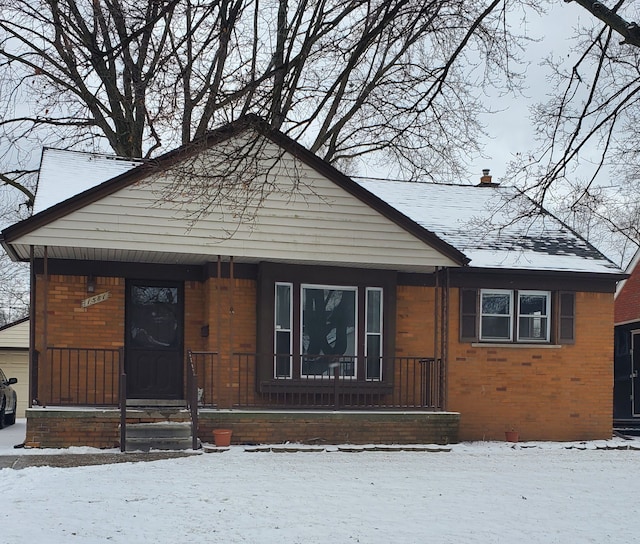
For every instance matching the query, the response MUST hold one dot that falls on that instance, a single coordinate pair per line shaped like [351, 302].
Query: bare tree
[587, 162]
[346, 78]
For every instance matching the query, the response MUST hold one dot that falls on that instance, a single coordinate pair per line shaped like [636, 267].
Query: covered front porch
[85, 402]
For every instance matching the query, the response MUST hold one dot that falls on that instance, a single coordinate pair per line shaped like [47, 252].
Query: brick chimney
[485, 180]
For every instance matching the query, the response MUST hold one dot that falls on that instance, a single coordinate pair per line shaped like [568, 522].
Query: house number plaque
[95, 299]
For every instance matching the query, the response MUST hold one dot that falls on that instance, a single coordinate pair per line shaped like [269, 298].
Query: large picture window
[320, 329]
[329, 330]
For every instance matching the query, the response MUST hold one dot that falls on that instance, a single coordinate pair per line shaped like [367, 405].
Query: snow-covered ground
[477, 492]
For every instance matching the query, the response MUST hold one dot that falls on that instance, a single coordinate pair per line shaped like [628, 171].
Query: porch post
[231, 333]
[43, 359]
[33, 371]
[445, 339]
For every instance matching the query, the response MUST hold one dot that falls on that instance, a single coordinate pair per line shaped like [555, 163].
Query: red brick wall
[545, 393]
[102, 324]
[100, 429]
[559, 392]
[231, 318]
[627, 305]
[415, 321]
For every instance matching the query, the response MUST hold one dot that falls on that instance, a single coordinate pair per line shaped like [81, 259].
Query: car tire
[2, 414]
[11, 418]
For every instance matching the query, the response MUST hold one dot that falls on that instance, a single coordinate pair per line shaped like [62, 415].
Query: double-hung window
[523, 316]
[533, 316]
[496, 322]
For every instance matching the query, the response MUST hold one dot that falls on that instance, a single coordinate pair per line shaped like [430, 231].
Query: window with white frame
[533, 316]
[373, 343]
[328, 331]
[496, 317]
[283, 334]
[506, 315]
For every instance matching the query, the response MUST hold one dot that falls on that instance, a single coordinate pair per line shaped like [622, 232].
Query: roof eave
[219, 135]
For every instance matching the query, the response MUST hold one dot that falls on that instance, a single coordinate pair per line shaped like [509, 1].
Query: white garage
[14, 358]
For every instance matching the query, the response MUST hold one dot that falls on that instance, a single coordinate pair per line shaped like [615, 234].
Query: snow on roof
[491, 227]
[488, 224]
[65, 173]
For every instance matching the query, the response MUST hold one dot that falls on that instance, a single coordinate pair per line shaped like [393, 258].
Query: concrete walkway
[66, 460]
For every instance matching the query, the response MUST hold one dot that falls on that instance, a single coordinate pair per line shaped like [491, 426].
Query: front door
[154, 340]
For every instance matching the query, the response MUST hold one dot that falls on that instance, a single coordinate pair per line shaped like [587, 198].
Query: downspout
[436, 340]
[218, 331]
[231, 336]
[33, 374]
[45, 311]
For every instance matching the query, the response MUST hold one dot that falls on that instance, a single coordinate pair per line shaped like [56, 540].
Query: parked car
[8, 400]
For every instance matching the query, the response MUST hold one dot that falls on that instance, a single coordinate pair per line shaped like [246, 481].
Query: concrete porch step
[164, 435]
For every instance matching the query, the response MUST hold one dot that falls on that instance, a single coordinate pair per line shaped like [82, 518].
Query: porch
[93, 377]
[83, 401]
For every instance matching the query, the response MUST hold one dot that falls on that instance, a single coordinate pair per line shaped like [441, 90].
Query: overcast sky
[511, 129]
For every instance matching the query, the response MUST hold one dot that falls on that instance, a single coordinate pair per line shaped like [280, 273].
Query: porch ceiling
[155, 257]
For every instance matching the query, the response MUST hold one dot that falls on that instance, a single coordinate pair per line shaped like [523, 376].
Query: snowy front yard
[482, 492]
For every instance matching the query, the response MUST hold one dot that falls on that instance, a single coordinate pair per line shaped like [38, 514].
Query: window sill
[518, 345]
[313, 386]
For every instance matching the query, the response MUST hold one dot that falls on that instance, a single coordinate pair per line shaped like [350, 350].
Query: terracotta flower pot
[511, 436]
[222, 437]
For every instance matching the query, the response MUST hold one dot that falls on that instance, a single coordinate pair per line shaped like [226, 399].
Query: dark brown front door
[154, 340]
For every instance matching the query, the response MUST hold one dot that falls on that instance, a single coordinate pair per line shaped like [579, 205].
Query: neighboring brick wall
[627, 305]
[545, 393]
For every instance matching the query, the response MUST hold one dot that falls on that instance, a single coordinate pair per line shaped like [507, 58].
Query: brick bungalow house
[626, 391]
[242, 282]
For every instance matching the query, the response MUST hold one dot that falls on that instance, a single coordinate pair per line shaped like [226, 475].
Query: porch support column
[232, 378]
[44, 358]
[33, 362]
[444, 338]
[437, 340]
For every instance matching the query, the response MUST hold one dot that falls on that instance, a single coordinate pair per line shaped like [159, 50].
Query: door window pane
[154, 317]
